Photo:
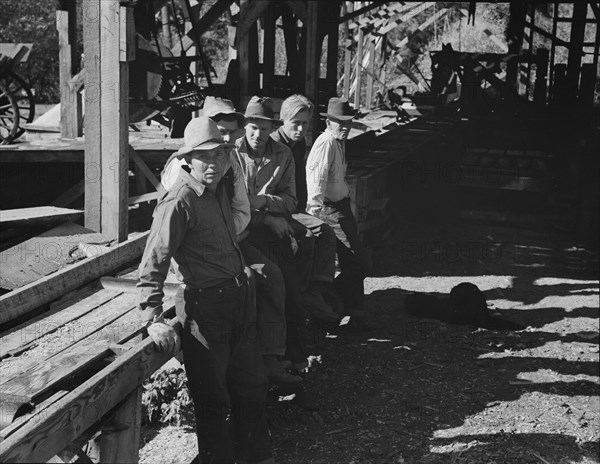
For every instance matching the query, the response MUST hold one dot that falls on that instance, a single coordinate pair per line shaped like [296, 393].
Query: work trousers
[323, 262]
[296, 270]
[270, 300]
[354, 259]
[225, 372]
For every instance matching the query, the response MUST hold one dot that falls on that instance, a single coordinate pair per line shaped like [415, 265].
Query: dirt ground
[422, 391]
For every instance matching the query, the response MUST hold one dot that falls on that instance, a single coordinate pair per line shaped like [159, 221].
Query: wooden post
[553, 44]
[166, 31]
[541, 72]
[70, 109]
[313, 50]
[268, 68]
[333, 36]
[119, 440]
[515, 29]
[576, 48]
[371, 68]
[347, 8]
[93, 142]
[359, 60]
[114, 123]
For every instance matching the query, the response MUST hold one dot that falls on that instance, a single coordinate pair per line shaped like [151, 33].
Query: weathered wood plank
[77, 411]
[70, 195]
[46, 289]
[42, 255]
[25, 335]
[30, 385]
[34, 414]
[38, 215]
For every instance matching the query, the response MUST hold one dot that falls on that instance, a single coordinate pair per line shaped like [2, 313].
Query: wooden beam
[92, 121]
[371, 68]
[146, 170]
[31, 296]
[38, 215]
[333, 34]
[114, 130]
[70, 109]
[249, 16]
[38, 441]
[298, 8]
[347, 7]
[358, 71]
[313, 51]
[203, 25]
[360, 11]
[576, 49]
[268, 68]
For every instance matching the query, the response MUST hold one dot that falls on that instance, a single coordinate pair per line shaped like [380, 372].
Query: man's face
[258, 132]
[295, 128]
[208, 166]
[340, 129]
[230, 130]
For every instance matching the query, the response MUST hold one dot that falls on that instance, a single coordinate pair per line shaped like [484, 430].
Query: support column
[70, 108]
[347, 8]
[313, 50]
[268, 68]
[108, 31]
[576, 49]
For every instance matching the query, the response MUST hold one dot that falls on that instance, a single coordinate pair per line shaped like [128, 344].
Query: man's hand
[279, 226]
[165, 337]
[258, 202]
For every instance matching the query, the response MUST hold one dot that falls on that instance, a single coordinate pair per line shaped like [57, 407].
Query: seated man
[268, 171]
[296, 112]
[193, 226]
[270, 295]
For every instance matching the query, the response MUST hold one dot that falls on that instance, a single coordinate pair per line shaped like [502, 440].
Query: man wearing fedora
[269, 174]
[328, 198]
[270, 286]
[193, 226]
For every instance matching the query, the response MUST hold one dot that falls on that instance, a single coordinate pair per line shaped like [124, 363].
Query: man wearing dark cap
[328, 198]
[193, 226]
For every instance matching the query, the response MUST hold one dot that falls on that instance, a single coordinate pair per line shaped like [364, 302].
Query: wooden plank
[42, 255]
[268, 68]
[361, 11]
[120, 437]
[48, 288]
[35, 414]
[70, 195]
[25, 335]
[146, 170]
[347, 7]
[93, 141]
[249, 16]
[358, 70]
[50, 373]
[312, 68]
[77, 411]
[114, 130]
[38, 215]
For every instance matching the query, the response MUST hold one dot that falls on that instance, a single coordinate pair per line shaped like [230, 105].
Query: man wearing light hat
[328, 198]
[193, 225]
[270, 294]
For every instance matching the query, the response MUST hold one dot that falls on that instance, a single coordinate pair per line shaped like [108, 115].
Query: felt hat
[201, 133]
[340, 109]
[261, 108]
[214, 106]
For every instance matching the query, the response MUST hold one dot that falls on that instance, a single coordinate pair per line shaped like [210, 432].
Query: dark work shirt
[195, 228]
[299, 153]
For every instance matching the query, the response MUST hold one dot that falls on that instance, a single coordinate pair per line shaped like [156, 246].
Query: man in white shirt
[328, 198]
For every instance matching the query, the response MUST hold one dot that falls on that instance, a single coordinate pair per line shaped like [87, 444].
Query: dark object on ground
[466, 305]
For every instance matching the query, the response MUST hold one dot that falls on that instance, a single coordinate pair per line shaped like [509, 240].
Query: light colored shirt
[272, 176]
[194, 227]
[240, 205]
[326, 172]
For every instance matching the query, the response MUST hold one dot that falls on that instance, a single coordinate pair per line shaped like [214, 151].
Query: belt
[235, 282]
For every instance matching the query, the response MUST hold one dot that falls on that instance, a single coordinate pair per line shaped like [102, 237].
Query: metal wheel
[21, 92]
[9, 116]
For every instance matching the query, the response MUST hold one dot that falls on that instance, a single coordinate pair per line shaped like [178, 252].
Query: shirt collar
[284, 138]
[185, 178]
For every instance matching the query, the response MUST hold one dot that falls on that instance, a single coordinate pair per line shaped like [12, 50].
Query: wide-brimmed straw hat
[338, 108]
[203, 134]
[261, 108]
[214, 106]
